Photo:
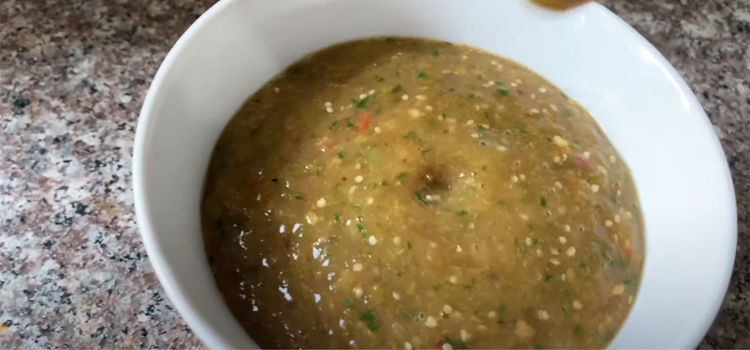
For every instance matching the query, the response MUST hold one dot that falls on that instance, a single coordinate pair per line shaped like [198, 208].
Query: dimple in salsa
[410, 193]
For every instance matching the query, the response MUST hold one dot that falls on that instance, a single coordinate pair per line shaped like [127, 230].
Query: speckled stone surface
[73, 76]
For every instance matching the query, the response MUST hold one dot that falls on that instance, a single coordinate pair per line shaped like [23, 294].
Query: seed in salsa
[410, 193]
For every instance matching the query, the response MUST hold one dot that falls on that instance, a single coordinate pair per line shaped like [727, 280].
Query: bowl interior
[648, 112]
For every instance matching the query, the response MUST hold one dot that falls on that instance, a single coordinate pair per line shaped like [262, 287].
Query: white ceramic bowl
[649, 113]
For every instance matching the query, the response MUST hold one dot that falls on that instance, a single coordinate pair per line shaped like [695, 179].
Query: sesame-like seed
[612, 159]
[328, 104]
[533, 96]
[571, 251]
[447, 346]
[617, 218]
[373, 240]
[465, 336]
[458, 249]
[329, 109]
[428, 108]
[534, 111]
[502, 148]
[539, 253]
[566, 228]
[421, 97]
[370, 200]
[405, 97]
[528, 241]
[447, 309]
[447, 71]
[522, 177]
[475, 135]
[407, 346]
[577, 305]
[481, 328]
[276, 90]
[362, 96]
[357, 267]
[630, 299]
[556, 159]
[586, 154]
[321, 202]
[554, 262]
[358, 291]
[397, 240]
[396, 296]
[558, 185]
[352, 189]
[562, 239]
[594, 188]
[618, 289]
[554, 251]
[629, 214]
[378, 130]
[514, 178]
[312, 218]
[560, 141]
[542, 90]
[543, 315]
[371, 92]
[492, 314]
[608, 223]
[358, 179]
[494, 63]
[433, 244]
[470, 123]
[453, 279]
[513, 84]
[430, 322]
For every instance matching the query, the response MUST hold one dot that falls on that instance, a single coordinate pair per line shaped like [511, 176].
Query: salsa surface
[410, 193]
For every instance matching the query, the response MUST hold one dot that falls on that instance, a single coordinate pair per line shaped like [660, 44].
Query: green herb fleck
[577, 329]
[547, 277]
[502, 92]
[333, 125]
[397, 89]
[523, 131]
[468, 286]
[436, 53]
[299, 196]
[418, 198]
[498, 83]
[471, 95]
[501, 310]
[462, 213]
[626, 282]
[410, 136]
[421, 75]
[543, 202]
[355, 206]
[349, 124]
[401, 175]
[501, 203]
[537, 346]
[426, 150]
[408, 245]
[340, 155]
[456, 343]
[360, 103]
[582, 265]
[484, 168]
[369, 319]
[349, 303]
[383, 183]
[549, 139]
[567, 313]
[380, 79]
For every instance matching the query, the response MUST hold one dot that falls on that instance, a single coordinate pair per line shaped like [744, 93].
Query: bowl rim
[208, 332]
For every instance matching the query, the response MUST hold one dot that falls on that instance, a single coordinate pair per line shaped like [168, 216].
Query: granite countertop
[73, 76]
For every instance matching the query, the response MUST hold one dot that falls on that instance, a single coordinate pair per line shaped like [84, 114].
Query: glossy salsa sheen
[410, 193]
